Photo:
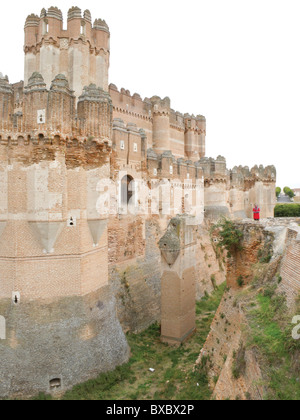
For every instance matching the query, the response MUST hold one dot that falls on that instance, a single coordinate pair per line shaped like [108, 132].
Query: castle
[67, 268]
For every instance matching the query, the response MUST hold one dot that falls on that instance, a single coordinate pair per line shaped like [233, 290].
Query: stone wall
[290, 269]
[71, 339]
[136, 281]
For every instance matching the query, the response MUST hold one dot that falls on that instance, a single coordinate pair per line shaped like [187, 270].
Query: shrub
[230, 236]
[287, 210]
[239, 364]
[214, 282]
[240, 281]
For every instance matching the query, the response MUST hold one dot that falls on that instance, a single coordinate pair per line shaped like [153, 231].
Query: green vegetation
[289, 192]
[240, 281]
[287, 210]
[175, 376]
[278, 191]
[271, 335]
[265, 254]
[214, 281]
[230, 236]
[239, 363]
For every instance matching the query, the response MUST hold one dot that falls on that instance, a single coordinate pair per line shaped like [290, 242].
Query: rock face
[256, 241]
[223, 343]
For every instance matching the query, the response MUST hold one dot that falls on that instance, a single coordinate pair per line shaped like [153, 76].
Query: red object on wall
[256, 213]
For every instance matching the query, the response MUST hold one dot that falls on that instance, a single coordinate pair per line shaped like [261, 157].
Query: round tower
[191, 138]
[95, 112]
[102, 39]
[61, 106]
[6, 102]
[35, 104]
[50, 29]
[30, 47]
[201, 123]
[161, 124]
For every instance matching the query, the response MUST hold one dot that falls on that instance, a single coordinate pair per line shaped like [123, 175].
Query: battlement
[74, 13]
[238, 177]
[5, 87]
[161, 106]
[214, 168]
[166, 166]
[166, 128]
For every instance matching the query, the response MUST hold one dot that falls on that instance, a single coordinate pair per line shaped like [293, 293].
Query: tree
[278, 191]
[289, 192]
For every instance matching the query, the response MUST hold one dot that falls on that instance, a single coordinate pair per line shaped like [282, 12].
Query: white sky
[234, 61]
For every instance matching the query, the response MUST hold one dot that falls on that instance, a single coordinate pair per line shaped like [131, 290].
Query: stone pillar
[178, 290]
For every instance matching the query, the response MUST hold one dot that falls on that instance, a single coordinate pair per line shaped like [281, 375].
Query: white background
[234, 61]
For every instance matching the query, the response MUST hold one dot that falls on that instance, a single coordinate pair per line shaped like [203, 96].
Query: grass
[175, 376]
[271, 335]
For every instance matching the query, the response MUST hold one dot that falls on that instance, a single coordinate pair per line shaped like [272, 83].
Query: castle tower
[61, 106]
[6, 102]
[60, 314]
[161, 124]
[35, 104]
[95, 112]
[201, 123]
[194, 138]
[191, 141]
[80, 53]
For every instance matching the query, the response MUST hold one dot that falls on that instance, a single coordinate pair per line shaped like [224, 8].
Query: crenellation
[101, 25]
[74, 13]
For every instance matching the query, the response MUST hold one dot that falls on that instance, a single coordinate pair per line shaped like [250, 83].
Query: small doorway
[127, 189]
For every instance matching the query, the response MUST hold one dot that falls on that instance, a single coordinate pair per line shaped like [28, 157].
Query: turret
[35, 104]
[194, 139]
[220, 166]
[95, 112]
[51, 23]
[30, 47]
[161, 124]
[61, 105]
[201, 124]
[101, 35]
[6, 102]
[191, 138]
